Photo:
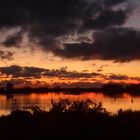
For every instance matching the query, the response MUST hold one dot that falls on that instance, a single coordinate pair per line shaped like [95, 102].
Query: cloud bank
[48, 23]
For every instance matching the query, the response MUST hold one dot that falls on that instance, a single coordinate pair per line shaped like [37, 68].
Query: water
[112, 104]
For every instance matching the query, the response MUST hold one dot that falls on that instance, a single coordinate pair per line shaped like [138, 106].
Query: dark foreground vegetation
[70, 120]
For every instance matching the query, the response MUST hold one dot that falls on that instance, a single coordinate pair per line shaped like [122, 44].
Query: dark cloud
[27, 72]
[23, 76]
[34, 72]
[48, 22]
[101, 68]
[117, 77]
[51, 12]
[63, 72]
[79, 84]
[53, 18]
[25, 83]
[106, 18]
[17, 71]
[113, 2]
[136, 78]
[118, 44]
[6, 55]
[13, 40]
[21, 83]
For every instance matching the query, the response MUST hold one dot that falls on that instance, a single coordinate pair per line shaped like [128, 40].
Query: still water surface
[112, 104]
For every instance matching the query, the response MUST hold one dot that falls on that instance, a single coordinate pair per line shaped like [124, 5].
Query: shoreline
[74, 91]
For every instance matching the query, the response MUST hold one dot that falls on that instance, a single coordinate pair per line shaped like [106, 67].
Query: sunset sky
[69, 43]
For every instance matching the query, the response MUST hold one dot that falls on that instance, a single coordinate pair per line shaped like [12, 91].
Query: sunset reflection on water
[43, 100]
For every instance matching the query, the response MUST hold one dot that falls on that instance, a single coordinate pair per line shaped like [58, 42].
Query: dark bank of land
[70, 120]
[109, 89]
